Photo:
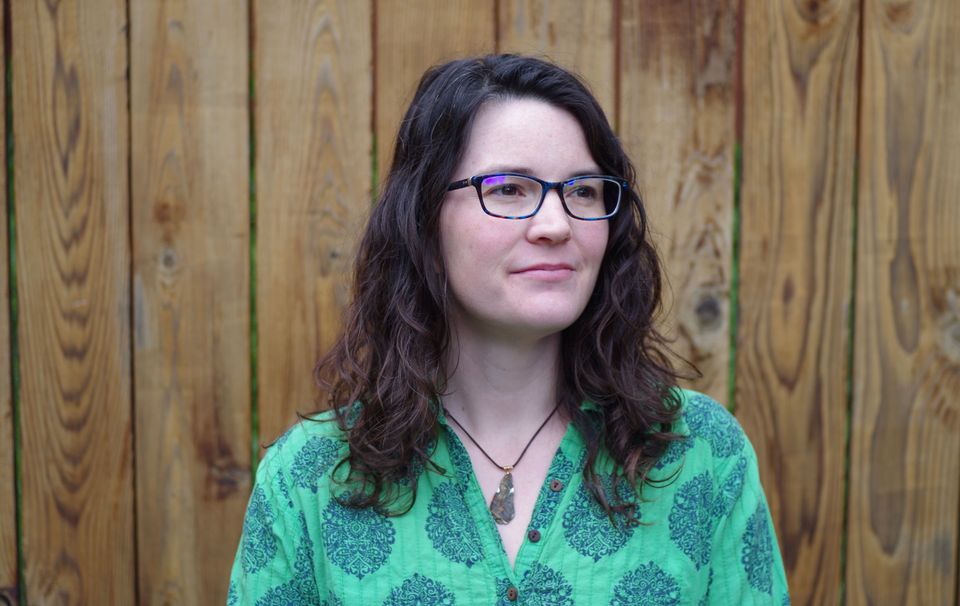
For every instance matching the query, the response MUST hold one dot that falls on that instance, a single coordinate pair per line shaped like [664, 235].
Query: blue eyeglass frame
[545, 186]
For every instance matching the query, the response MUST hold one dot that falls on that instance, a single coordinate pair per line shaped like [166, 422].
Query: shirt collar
[586, 406]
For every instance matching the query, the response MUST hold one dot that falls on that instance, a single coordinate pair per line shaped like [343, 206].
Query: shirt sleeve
[747, 567]
[274, 561]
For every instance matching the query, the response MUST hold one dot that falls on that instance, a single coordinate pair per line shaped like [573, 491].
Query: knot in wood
[949, 327]
[950, 339]
[817, 11]
[709, 312]
[168, 258]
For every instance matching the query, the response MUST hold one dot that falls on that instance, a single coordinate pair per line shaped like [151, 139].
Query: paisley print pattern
[587, 526]
[302, 588]
[707, 418]
[359, 541]
[278, 445]
[502, 586]
[648, 585]
[418, 466]
[284, 489]
[730, 489]
[352, 414]
[301, 547]
[560, 469]
[462, 467]
[691, 518]
[757, 554]
[259, 543]
[418, 590]
[544, 586]
[451, 527]
[674, 453]
[313, 460]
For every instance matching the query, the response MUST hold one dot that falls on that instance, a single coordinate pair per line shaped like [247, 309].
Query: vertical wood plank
[8, 500]
[677, 121]
[905, 455]
[577, 34]
[73, 264]
[445, 29]
[190, 187]
[313, 131]
[799, 114]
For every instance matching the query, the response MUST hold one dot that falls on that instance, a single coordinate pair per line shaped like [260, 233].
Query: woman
[506, 425]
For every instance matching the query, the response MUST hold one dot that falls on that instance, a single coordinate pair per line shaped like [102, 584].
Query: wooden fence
[186, 181]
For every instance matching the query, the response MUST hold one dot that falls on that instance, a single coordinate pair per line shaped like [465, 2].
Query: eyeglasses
[516, 196]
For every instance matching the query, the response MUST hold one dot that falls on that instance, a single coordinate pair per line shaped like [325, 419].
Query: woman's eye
[505, 190]
[584, 192]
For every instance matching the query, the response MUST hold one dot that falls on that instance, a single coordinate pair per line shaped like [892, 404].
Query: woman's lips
[547, 272]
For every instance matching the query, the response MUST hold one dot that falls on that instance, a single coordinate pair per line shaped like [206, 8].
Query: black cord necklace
[501, 505]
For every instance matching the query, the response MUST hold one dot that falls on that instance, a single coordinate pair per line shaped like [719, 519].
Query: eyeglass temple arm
[459, 184]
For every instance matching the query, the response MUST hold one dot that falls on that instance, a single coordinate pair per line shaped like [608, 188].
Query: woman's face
[526, 278]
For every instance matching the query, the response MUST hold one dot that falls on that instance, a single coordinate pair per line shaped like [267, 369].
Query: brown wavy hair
[390, 354]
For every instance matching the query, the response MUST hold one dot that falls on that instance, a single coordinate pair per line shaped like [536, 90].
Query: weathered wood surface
[682, 82]
[799, 143]
[677, 123]
[8, 501]
[73, 270]
[412, 35]
[905, 455]
[580, 36]
[314, 84]
[190, 219]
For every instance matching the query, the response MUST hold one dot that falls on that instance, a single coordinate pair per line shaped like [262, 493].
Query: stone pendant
[501, 506]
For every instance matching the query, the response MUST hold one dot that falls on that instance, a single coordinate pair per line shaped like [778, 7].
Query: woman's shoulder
[702, 416]
[307, 450]
[707, 427]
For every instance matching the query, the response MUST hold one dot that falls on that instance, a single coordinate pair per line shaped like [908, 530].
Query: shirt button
[556, 485]
[512, 594]
[533, 535]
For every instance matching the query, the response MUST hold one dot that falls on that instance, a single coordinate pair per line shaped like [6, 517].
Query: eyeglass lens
[516, 196]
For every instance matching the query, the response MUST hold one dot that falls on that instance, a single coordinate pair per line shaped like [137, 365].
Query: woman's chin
[530, 323]
[542, 325]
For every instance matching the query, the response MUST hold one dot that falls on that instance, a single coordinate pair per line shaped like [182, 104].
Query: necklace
[501, 505]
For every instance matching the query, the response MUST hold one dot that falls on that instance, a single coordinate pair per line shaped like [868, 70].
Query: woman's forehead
[526, 135]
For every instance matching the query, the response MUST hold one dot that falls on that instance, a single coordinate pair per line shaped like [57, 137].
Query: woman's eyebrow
[523, 170]
[504, 168]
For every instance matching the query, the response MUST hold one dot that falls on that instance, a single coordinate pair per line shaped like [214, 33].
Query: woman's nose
[551, 222]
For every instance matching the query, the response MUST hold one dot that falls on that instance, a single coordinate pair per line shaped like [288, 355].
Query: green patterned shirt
[705, 537]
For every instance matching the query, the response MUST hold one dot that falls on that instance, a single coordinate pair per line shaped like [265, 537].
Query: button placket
[563, 470]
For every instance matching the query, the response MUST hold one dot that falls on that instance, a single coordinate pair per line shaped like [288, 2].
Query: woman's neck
[501, 390]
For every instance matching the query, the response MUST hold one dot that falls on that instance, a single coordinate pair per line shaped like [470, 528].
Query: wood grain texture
[313, 127]
[73, 263]
[412, 35]
[905, 455]
[190, 186]
[677, 123]
[579, 35]
[799, 136]
[8, 496]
